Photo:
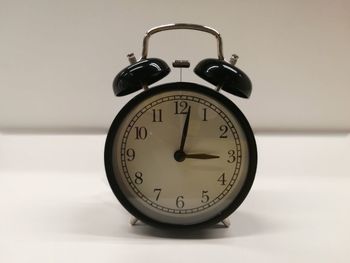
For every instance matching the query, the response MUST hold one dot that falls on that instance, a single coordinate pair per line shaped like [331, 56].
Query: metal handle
[182, 26]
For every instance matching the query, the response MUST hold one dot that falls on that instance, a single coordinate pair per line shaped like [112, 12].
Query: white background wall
[58, 58]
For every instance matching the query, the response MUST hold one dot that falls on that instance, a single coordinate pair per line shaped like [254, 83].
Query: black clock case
[186, 86]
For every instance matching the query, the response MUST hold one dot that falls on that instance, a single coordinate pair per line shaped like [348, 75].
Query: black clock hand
[180, 155]
[185, 129]
[203, 156]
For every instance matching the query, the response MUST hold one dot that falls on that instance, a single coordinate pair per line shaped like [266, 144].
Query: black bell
[224, 75]
[142, 73]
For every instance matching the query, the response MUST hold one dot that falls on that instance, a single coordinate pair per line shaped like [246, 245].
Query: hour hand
[180, 156]
[203, 156]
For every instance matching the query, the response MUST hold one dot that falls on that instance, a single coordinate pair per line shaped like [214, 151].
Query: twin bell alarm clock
[181, 155]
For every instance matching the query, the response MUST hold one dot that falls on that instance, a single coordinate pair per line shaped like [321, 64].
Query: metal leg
[226, 222]
[133, 221]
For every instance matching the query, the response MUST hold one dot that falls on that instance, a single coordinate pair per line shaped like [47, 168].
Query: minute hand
[201, 156]
[185, 130]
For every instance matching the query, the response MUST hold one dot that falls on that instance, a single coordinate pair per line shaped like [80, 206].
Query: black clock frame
[179, 86]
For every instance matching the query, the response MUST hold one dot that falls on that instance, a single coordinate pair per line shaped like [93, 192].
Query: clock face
[180, 154]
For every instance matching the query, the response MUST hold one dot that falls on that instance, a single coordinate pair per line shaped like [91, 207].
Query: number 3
[231, 156]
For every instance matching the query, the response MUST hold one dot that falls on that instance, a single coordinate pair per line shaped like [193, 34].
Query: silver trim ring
[182, 26]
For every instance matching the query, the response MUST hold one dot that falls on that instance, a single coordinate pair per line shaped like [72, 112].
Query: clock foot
[226, 222]
[133, 221]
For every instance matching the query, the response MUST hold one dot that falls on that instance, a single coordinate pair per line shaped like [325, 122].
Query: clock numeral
[222, 179]
[181, 107]
[180, 202]
[231, 156]
[131, 154]
[223, 129]
[157, 191]
[138, 178]
[141, 133]
[204, 114]
[205, 197]
[157, 115]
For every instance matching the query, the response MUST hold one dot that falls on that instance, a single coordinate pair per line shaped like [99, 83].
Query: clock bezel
[185, 86]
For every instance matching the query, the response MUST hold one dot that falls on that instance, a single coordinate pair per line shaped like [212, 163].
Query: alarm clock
[181, 155]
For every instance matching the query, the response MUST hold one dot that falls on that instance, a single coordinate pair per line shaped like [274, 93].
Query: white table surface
[56, 206]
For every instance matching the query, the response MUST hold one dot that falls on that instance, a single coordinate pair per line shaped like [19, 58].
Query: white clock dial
[183, 191]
